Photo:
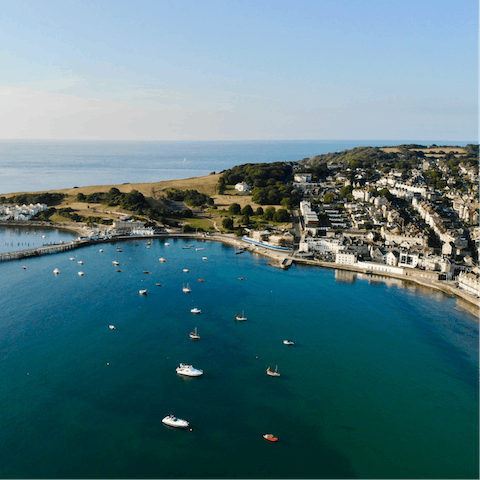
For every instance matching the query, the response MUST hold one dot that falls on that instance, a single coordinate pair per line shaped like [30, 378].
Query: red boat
[270, 437]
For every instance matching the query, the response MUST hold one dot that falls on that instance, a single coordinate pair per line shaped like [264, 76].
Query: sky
[158, 70]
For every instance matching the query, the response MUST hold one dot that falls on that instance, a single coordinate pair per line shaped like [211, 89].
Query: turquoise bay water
[382, 381]
[17, 238]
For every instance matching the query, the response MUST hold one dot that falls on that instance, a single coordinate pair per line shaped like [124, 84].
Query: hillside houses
[20, 212]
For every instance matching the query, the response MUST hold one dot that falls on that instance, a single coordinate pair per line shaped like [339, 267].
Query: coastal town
[354, 215]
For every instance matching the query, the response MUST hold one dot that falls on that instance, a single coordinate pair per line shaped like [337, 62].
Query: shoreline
[276, 255]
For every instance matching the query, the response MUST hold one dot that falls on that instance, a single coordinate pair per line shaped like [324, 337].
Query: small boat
[240, 278]
[162, 259]
[80, 262]
[142, 292]
[201, 280]
[185, 270]
[194, 335]
[56, 271]
[195, 310]
[186, 289]
[71, 258]
[116, 263]
[273, 373]
[188, 370]
[119, 250]
[270, 437]
[44, 236]
[288, 342]
[198, 249]
[166, 244]
[146, 271]
[24, 267]
[186, 247]
[158, 284]
[80, 273]
[149, 243]
[112, 327]
[238, 251]
[241, 318]
[101, 250]
[118, 270]
[173, 421]
[204, 258]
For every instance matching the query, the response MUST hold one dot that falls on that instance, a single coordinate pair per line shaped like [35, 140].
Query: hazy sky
[239, 70]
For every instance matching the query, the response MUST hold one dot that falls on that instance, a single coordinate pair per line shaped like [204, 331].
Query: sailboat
[186, 289]
[273, 373]
[241, 317]
[194, 335]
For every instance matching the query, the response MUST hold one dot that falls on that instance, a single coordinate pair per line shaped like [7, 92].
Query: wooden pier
[46, 250]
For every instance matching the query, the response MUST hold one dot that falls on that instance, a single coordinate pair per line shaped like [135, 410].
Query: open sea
[382, 381]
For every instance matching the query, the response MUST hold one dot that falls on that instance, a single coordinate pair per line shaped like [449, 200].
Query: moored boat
[186, 289]
[273, 373]
[80, 273]
[288, 342]
[162, 259]
[56, 271]
[195, 310]
[240, 318]
[116, 263]
[194, 335]
[270, 437]
[173, 421]
[188, 370]
[112, 327]
[142, 292]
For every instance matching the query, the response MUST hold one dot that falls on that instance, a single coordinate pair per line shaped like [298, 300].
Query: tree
[281, 216]
[227, 223]
[259, 211]
[328, 198]
[269, 213]
[247, 210]
[235, 209]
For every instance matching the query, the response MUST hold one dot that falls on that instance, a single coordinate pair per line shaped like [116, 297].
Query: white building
[242, 187]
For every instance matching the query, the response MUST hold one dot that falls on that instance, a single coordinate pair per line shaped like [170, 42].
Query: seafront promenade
[279, 258]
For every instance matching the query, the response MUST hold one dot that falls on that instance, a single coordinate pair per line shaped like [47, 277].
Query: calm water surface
[382, 381]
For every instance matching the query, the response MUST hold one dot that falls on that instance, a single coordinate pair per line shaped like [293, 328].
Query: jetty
[45, 250]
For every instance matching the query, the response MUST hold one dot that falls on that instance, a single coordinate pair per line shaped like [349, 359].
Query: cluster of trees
[27, 198]
[269, 214]
[271, 183]
[73, 215]
[258, 174]
[133, 201]
[190, 197]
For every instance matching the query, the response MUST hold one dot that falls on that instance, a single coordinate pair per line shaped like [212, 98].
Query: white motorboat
[80, 262]
[101, 250]
[185, 270]
[116, 263]
[56, 271]
[173, 421]
[198, 249]
[194, 335]
[80, 273]
[71, 258]
[142, 292]
[162, 259]
[188, 370]
[288, 342]
[204, 258]
[186, 289]
[195, 310]
[166, 244]
[241, 318]
[112, 327]
[273, 373]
